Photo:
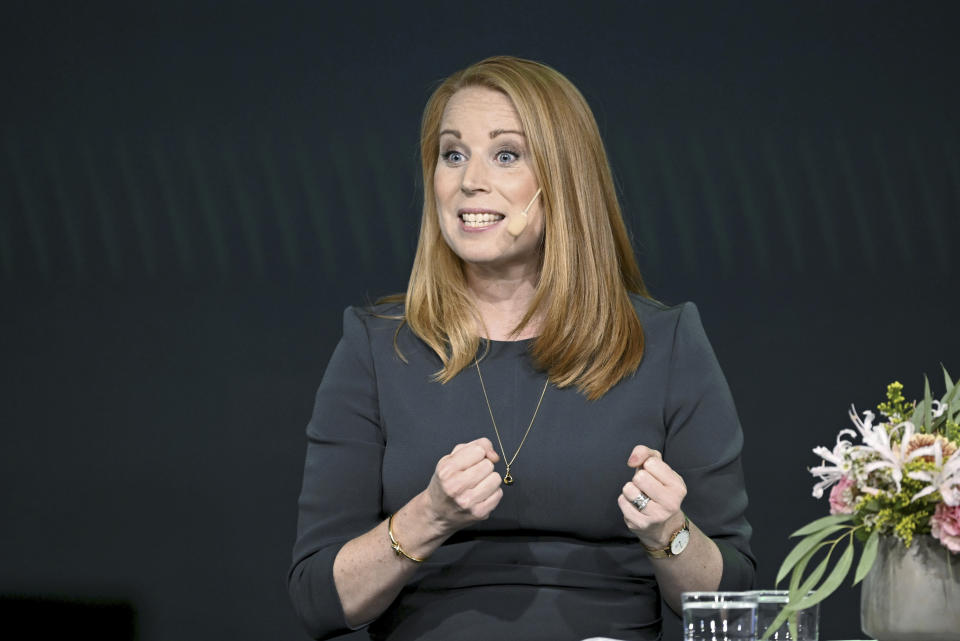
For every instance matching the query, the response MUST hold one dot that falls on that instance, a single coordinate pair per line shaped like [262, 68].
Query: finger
[640, 454]
[488, 485]
[468, 454]
[660, 470]
[648, 484]
[630, 492]
[635, 519]
[653, 514]
[477, 494]
[491, 453]
[670, 497]
[483, 509]
[484, 443]
[470, 478]
[463, 457]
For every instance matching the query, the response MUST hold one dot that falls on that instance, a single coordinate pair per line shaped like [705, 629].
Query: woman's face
[483, 178]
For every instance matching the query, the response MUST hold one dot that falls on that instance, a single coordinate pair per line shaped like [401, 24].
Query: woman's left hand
[661, 516]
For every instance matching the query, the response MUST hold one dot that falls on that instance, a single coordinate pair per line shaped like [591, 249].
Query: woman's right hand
[465, 488]
[369, 572]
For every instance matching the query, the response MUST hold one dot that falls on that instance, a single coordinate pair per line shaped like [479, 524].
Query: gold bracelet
[395, 544]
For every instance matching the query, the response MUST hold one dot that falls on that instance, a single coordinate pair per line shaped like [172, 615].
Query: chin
[479, 259]
[477, 251]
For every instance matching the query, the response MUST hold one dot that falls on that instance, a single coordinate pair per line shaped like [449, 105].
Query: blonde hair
[590, 335]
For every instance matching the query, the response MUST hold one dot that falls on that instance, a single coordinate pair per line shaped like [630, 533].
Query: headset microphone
[517, 224]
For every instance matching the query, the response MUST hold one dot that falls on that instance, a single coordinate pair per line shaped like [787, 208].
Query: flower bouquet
[901, 479]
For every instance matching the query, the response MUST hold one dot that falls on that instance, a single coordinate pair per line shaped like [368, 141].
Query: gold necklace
[508, 478]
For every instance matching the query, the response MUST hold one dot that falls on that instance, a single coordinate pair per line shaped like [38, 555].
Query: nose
[474, 177]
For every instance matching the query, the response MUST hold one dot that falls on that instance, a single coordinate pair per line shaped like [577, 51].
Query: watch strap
[663, 553]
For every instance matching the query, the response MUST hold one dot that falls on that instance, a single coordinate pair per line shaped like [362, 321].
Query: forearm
[368, 574]
[698, 568]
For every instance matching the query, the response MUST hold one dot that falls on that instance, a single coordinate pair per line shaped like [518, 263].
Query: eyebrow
[493, 134]
[498, 132]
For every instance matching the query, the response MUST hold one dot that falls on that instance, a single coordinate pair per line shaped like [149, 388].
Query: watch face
[679, 542]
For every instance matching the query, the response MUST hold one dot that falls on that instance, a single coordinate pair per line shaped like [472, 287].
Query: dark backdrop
[191, 192]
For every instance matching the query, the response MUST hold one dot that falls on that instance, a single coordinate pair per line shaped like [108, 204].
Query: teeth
[479, 219]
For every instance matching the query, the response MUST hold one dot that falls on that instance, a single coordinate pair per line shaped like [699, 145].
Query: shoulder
[674, 329]
[371, 321]
[377, 314]
[658, 318]
[381, 330]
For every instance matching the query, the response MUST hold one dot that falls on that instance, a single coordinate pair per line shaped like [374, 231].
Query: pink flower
[945, 525]
[843, 496]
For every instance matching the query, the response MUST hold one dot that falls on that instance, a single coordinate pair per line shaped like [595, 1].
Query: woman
[528, 447]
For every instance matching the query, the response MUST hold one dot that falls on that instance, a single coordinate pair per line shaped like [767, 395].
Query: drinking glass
[769, 605]
[719, 616]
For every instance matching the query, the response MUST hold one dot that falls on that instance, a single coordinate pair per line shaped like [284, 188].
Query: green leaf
[799, 591]
[950, 392]
[794, 634]
[775, 625]
[801, 565]
[917, 417]
[831, 583]
[867, 557]
[927, 401]
[802, 548]
[814, 526]
[782, 616]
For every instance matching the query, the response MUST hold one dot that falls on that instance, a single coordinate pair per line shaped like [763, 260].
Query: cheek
[444, 185]
[538, 222]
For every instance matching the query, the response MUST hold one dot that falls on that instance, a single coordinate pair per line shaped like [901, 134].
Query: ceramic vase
[912, 594]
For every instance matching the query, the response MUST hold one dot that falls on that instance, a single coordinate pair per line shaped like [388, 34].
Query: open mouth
[479, 219]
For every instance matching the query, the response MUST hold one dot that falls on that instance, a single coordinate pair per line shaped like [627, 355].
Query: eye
[452, 157]
[507, 157]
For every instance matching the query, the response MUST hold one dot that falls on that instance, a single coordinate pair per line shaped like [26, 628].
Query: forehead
[480, 107]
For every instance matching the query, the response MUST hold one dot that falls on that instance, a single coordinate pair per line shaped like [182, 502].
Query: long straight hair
[590, 336]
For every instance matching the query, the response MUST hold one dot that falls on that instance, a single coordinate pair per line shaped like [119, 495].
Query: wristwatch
[678, 543]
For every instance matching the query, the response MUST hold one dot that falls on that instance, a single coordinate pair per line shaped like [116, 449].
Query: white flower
[877, 438]
[938, 409]
[840, 459]
[946, 480]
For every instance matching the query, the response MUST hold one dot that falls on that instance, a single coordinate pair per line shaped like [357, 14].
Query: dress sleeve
[341, 494]
[703, 445]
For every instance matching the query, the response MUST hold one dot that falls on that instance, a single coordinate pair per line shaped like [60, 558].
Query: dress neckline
[525, 341]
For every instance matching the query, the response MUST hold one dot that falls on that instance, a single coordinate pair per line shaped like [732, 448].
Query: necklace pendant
[508, 479]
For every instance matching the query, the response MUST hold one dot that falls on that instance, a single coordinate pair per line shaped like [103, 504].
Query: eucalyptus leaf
[802, 548]
[867, 557]
[814, 526]
[831, 583]
[794, 633]
[917, 418]
[949, 394]
[782, 616]
[797, 573]
[775, 625]
[949, 388]
[798, 591]
[955, 410]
